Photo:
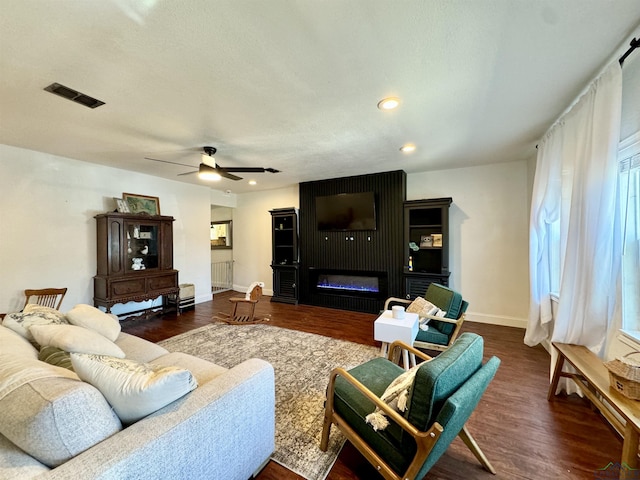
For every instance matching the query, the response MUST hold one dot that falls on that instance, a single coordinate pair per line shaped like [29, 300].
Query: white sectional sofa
[55, 426]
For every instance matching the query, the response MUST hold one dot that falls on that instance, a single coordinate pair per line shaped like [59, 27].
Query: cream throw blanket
[20, 370]
[396, 396]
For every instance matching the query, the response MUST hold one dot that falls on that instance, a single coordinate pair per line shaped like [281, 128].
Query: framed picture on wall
[142, 203]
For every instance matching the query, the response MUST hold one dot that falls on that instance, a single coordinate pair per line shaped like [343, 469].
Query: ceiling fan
[210, 170]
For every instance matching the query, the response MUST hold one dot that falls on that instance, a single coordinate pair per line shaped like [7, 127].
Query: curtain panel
[575, 188]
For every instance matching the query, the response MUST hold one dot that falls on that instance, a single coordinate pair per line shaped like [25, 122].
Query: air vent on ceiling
[71, 94]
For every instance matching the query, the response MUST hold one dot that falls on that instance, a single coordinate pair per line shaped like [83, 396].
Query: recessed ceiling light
[388, 103]
[252, 182]
[408, 148]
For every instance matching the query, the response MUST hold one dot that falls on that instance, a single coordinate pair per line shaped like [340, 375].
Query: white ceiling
[293, 85]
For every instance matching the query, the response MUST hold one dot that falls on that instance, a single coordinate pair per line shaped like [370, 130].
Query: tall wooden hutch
[135, 259]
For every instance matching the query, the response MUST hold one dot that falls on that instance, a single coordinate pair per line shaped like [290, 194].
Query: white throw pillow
[74, 339]
[86, 316]
[424, 308]
[133, 389]
[34, 307]
[20, 322]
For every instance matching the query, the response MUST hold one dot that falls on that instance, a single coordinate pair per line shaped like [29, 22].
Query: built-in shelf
[424, 220]
[284, 261]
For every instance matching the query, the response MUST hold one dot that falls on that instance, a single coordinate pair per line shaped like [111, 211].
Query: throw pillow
[34, 307]
[20, 322]
[90, 317]
[133, 389]
[55, 356]
[74, 339]
[396, 396]
[424, 308]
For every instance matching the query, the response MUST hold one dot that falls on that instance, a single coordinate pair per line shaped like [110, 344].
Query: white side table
[387, 329]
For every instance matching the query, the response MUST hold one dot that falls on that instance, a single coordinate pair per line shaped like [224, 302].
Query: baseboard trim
[204, 298]
[502, 320]
[243, 289]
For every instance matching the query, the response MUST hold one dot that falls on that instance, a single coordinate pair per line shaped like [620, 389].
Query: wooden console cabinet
[135, 260]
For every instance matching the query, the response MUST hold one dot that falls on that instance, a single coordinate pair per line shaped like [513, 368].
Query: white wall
[48, 236]
[489, 236]
[252, 235]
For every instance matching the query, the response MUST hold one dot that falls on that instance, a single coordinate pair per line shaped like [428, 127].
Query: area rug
[302, 363]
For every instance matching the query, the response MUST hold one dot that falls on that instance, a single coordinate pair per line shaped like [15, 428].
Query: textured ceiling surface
[293, 85]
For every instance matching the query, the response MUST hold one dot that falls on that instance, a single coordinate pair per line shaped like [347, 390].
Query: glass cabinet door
[142, 246]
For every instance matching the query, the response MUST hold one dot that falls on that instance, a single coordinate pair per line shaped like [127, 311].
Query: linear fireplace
[352, 283]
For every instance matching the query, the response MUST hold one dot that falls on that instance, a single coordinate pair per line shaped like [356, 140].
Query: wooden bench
[593, 378]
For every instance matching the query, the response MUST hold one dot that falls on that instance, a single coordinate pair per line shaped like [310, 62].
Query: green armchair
[444, 393]
[442, 331]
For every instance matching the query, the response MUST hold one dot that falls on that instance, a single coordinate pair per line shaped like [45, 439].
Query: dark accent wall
[379, 250]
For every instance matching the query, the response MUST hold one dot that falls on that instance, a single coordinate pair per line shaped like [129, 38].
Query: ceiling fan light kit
[206, 172]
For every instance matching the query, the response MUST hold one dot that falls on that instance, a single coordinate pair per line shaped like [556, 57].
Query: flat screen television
[346, 211]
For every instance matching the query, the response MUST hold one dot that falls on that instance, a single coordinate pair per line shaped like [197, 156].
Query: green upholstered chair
[442, 331]
[444, 393]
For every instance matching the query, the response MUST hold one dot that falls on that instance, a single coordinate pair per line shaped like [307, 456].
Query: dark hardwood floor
[523, 435]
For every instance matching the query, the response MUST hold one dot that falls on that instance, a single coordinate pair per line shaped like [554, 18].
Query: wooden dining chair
[47, 297]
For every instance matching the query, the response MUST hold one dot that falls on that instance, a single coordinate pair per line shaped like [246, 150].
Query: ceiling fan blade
[208, 170]
[224, 173]
[187, 173]
[167, 161]
[250, 169]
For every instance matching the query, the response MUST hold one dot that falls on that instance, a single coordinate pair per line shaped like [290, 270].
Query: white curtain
[575, 192]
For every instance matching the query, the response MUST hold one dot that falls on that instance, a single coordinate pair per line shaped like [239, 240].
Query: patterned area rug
[302, 364]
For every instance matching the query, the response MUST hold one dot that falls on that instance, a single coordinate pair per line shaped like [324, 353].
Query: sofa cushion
[433, 334]
[203, 370]
[377, 374]
[16, 464]
[134, 389]
[53, 418]
[139, 349]
[90, 317]
[33, 315]
[74, 339]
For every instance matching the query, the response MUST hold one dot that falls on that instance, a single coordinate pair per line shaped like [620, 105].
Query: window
[630, 214]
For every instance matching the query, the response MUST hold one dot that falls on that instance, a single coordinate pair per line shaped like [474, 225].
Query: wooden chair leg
[326, 430]
[470, 442]
[328, 412]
